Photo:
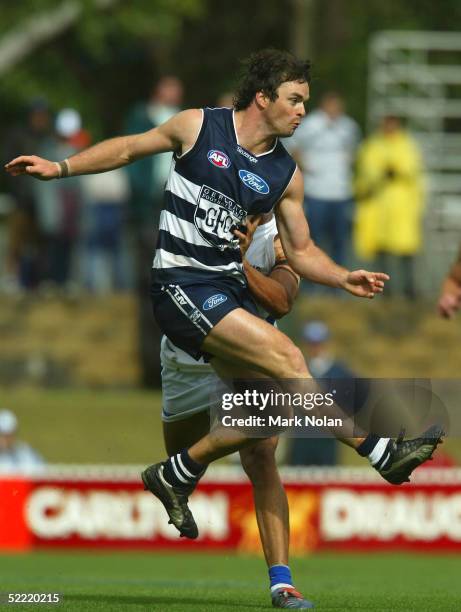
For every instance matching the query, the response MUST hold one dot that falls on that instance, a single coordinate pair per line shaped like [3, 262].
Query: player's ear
[262, 100]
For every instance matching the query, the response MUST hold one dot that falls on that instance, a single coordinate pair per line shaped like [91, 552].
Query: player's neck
[252, 132]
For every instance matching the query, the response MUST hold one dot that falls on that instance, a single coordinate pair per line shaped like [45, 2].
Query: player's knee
[258, 461]
[296, 361]
[291, 361]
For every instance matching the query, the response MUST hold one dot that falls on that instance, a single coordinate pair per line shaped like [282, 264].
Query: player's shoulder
[184, 127]
[189, 116]
[219, 117]
[295, 186]
[219, 110]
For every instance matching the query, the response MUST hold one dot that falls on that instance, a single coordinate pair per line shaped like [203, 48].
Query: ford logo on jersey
[214, 300]
[218, 159]
[253, 181]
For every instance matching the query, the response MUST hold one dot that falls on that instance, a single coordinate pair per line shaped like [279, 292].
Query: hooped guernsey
[260, 255]
[189, 385]
[211, 189]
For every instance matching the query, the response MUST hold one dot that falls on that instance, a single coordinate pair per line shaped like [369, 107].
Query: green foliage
[201, 41]
[79, 65]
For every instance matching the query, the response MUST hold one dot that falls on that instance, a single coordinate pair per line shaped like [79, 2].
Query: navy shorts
[186, 313]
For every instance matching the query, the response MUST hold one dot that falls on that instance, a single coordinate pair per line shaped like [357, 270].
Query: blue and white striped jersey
[261, 255]
[210, 190]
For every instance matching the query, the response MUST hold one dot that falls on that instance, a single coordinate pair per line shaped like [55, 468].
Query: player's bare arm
[276, 292]
[284, 273]
[177, 134]
[307, 259]
[450, 296]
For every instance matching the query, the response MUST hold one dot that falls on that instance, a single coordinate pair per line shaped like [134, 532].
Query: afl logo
[218, 159]
[253, 181]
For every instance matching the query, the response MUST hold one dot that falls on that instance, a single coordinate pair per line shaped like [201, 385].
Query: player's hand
[37, 167]
[365, 284]
[245, 237]
[450, 299]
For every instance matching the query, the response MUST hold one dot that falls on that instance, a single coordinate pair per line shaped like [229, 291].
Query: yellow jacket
[389, 190]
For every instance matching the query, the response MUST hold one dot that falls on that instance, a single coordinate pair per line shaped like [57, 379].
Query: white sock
[377, 454]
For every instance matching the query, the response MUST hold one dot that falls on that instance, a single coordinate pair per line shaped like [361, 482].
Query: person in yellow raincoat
[390, 202]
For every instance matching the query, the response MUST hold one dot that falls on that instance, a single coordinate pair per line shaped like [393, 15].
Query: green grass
[89, 426]
[221, 583]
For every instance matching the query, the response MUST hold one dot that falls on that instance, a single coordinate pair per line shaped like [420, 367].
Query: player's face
[285, 113]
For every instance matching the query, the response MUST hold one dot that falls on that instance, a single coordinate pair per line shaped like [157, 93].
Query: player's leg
[270, 499]
[186, 432]
[246, 347]
[185, 400]
[395, 460]
[186, 391]
[188, 314]
[271, 504]
[185, 419]
[272, 515]
[243, 341]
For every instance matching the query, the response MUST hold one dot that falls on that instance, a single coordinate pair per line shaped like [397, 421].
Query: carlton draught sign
[329, 509]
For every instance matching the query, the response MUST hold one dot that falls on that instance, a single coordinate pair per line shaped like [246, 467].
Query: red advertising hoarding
[329, 508]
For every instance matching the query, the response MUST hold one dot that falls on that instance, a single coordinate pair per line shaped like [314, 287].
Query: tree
[73, 52]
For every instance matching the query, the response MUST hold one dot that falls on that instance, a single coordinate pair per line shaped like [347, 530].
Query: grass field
[221, 583]
[89, 426]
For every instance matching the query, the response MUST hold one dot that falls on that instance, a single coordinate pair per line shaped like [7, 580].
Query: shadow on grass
[185, 602]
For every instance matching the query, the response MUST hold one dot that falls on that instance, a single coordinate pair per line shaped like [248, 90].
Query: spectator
[324, 146]
[148, 176]
[390, 195]
[15, 456]
[147, 179]
[320, 360]
[59, 205]
[105, 197]
[22, 256]
[325, 368]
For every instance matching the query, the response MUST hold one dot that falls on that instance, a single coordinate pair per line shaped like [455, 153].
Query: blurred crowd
[61, 233]
[364, 199]
[95, 232]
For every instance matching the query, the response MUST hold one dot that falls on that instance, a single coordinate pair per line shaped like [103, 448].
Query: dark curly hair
[265, 71]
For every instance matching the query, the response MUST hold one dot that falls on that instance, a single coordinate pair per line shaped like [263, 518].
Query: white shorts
[187, 392]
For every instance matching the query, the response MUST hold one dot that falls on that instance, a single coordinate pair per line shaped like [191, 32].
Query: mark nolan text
[306, 421]
[278, 421]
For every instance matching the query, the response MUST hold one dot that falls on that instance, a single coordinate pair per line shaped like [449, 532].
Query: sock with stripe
[180, 469]
[377, 450]
[280, 577]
